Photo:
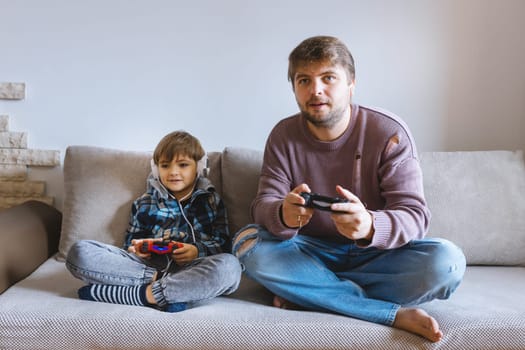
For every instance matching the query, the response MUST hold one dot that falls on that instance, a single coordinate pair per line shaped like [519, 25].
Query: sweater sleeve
[274, 184]
[405, 216]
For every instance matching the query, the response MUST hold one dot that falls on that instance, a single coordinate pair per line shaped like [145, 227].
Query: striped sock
[128, 295]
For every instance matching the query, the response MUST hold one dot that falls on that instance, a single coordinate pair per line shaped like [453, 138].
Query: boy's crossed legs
[117, 276]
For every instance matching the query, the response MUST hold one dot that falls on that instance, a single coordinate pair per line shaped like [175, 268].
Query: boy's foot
[115, 294]
[175, 307]
[419, 322]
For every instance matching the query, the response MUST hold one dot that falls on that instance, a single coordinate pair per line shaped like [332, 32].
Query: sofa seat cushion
[43, 312]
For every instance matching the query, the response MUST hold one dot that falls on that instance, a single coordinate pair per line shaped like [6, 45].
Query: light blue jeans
[205, 278]
[365, 283]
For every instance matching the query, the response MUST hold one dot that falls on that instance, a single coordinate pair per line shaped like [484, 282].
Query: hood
[155, 187]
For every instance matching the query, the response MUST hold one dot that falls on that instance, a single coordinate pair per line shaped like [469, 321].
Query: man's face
[323, 92]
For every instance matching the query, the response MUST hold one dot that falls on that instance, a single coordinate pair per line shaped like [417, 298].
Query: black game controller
[317, 201]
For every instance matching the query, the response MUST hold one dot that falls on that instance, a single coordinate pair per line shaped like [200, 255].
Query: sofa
[477, 200]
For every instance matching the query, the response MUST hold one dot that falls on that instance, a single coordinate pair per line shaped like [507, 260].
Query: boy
[183, 221]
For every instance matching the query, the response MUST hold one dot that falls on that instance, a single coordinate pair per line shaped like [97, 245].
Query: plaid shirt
[157, 214]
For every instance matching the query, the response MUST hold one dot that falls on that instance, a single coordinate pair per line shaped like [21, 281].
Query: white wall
[121, 74]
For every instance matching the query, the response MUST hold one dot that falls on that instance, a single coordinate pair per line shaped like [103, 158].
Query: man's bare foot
[419, 322]
[282, 303]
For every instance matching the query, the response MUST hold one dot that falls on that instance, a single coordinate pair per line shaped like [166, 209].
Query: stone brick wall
[16, 158]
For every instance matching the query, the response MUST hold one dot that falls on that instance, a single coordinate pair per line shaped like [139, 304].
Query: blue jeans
[365, 283]
[205, 278]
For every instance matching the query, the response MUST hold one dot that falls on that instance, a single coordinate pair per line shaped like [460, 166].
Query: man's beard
[328, 121]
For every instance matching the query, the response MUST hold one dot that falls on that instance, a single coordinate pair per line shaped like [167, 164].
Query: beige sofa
[477, 200]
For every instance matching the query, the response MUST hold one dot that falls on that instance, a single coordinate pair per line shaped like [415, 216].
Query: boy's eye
[330, 78]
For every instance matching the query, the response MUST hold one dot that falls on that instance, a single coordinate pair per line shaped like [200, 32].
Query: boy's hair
[318, 49]
[178, 143]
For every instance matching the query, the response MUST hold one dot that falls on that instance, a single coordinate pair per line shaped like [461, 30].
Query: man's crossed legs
[367, 283]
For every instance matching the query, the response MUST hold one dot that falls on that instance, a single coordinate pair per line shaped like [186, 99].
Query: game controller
[157, 247]
[317, 201]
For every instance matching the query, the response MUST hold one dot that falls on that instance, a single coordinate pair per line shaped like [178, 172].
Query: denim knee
[245, 240]
[229, 271]
[446, 267]
[206, 278]
[75, 255]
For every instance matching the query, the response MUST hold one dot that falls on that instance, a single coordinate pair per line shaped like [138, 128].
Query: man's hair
[178, 143]
[318, 49]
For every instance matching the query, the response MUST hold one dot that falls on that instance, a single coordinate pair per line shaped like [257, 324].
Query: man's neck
[331, 133]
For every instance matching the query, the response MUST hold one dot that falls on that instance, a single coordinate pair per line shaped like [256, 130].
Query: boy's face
[178, 175]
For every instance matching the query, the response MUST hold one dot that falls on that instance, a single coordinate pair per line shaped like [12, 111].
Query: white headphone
[202, 167]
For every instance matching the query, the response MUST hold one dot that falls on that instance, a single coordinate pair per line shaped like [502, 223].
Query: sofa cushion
[44, 312]
[487, 188]
[241, 168]
[100, 185]
[477, 200]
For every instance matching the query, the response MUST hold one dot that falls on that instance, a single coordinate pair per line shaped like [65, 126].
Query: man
[366, 258]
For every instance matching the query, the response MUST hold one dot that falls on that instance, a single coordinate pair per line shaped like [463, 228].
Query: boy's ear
[154, 169]
[202, 166]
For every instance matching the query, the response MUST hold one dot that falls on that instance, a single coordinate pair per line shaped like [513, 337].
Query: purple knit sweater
[375, 158]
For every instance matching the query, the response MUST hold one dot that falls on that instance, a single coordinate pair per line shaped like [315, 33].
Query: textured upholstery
[243, 167]
[99, 187]
[487, 311]
[43, 312]
[477, 200]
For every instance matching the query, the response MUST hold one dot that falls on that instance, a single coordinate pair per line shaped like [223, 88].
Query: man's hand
[293, 213]
[186, 254]
[353, 221]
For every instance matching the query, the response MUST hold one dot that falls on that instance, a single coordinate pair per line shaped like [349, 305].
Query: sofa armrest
[29, 234]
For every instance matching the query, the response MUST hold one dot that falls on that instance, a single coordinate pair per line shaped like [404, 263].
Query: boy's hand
[186, 254]
[133, 248]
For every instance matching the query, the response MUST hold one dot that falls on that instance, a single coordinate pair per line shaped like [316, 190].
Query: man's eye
[302, 81]
[329, 78]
